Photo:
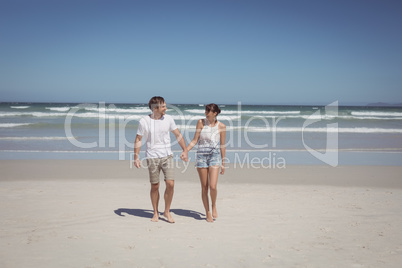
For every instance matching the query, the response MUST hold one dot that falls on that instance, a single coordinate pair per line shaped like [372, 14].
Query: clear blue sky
[223, 51]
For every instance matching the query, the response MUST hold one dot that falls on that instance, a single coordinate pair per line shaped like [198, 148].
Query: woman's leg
[203, 173]
[213, 182]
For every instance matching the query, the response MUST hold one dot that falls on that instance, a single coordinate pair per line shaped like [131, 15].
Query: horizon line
[373, 104]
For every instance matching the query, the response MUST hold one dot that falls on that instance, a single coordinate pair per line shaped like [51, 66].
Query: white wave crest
[20, 107]
[195, 111]
[42, 114]
[117, 110]
[369, 113]
[33, 138]
[58, 109]
[245, 112]
[133, 110]
[35, 114]
[369, 117]
[13, 114]
[195, 118]
[341, 130]
[8, 114]
[6, 125]
[299, 129]
[271, 112]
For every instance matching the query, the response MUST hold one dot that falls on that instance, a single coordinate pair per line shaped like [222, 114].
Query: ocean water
[274, 134]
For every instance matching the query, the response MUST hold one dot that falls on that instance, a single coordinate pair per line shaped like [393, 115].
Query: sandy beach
[96, 213]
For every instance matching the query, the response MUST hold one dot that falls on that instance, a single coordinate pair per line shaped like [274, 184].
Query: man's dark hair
[154, 102]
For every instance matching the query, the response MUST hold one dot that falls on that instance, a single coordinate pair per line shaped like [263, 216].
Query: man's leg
[155, 200]
[154, 170]
[168, 199]
[168, 171]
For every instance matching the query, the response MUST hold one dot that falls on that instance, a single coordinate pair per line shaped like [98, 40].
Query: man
[155, 128]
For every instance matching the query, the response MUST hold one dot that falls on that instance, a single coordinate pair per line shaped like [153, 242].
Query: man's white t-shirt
[157, 135]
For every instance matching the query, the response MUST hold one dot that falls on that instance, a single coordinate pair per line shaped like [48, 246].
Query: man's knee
[154, 186]
[169, 183]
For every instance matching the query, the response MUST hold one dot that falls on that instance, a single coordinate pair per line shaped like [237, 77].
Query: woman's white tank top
[209, 139]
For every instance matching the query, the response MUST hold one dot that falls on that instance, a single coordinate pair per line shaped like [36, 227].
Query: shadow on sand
[147, 213]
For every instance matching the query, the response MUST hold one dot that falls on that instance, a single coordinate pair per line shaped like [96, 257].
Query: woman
[210, 136]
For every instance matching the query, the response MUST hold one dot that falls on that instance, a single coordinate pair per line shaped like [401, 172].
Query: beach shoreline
[96, 213]
[78, 169]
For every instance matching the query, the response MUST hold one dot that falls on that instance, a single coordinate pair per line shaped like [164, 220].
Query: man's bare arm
[182, 143]
[137, 148]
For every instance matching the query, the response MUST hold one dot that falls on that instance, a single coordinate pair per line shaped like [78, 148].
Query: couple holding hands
[210, 136]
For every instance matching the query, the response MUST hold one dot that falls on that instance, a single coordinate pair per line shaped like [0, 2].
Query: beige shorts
[155, 165]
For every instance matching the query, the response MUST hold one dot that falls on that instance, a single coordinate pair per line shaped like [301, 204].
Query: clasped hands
[184, 156]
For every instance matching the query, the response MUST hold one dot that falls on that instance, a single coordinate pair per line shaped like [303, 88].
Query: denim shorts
[204, 160]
